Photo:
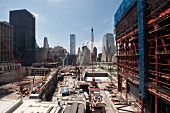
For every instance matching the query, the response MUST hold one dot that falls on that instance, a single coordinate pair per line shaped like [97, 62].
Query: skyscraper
[72, 44]
[23, 23]
[95, 53]
[6, 51]
[108, 43]
[46, 45]
[108, 48]
[6, 42]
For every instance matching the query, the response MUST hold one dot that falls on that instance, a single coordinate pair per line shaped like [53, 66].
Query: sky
[57, 19]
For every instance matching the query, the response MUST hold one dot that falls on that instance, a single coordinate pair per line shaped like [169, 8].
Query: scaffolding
[143, 52]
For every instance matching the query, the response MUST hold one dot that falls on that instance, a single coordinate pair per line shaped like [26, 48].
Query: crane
[92, 56]
[16, 60]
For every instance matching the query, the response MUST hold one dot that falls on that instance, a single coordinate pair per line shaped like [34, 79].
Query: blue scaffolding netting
[123, 9]
[142, 39]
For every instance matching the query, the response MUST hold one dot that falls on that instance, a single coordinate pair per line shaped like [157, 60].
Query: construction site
[139, 82]
[143, 56]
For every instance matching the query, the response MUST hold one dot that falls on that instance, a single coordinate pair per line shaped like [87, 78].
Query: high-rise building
[108, 43]
[85, 56]
[108, 48]
[6, 42]
[6, 51]
[46, 45]
[99, 57]
[95, 53]
[23, 23]
[42, 54]
[72, 44]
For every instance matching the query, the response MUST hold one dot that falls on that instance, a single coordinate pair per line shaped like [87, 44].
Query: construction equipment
[17, 61]
[92, 56]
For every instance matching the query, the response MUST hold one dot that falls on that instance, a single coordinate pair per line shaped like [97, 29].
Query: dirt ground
[12, 91]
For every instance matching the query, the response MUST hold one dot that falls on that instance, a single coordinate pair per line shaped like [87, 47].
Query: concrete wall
[12, 76]
[15, 106]
[6, 67]
[95, 75]
[48, 90]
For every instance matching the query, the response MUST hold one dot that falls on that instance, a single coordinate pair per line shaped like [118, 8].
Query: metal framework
[143, 52]
[92, 56]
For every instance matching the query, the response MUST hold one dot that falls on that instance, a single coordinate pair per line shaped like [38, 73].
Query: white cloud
[38, 16]
[40, 42]
[106, 20]
[82, 34]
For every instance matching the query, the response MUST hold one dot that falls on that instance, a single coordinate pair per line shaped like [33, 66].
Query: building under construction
[143, 52]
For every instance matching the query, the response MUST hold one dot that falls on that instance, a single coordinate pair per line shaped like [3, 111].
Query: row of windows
[8, 68]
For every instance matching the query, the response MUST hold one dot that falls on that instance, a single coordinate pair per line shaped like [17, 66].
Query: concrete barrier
[15, 106]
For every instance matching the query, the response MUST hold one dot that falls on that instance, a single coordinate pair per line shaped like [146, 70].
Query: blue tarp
[65, 90]
[123, 9]
[142, 39]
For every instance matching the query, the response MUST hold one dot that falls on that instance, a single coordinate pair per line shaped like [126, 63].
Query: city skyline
[57, 19]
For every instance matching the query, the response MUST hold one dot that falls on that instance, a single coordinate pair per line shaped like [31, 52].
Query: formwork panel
[159, 54]
[128, 23]
[153, 49]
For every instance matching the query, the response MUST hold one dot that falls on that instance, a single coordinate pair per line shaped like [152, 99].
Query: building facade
[99, 57]
[41, 54]
[70, 60]
[7, 64]
[72, 44]
[58, 54]
[95, 53]
[104, 57]
[108, 43]
[85, 55]
[6, 48]
[23, 23]
[46, 45]
[6, 42]
[108, 48]
[142, 39]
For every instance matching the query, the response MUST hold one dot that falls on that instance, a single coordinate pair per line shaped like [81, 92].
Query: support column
[126, 88]
[142, 40]
[156, 103]
[119, 83]
[156, 96]
[142, 105]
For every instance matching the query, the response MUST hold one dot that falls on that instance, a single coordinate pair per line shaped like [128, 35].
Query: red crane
[16, 60]
[92, 57]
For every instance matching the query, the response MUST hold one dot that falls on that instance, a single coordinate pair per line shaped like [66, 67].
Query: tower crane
[94, 83]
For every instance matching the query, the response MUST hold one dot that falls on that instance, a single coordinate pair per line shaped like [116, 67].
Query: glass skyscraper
[108, 43]
[72, 44]
[23, 23]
